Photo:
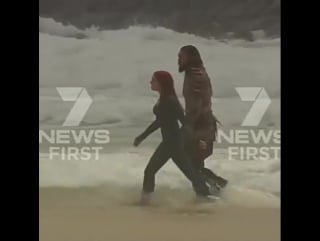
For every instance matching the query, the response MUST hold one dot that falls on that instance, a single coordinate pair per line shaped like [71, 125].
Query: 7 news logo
[75, 144]
[261, 102]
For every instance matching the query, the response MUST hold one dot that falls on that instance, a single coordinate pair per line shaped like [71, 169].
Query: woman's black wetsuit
[168, 112]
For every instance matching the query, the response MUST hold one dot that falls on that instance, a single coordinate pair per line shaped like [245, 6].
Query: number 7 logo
[259, 106]
[82, 103]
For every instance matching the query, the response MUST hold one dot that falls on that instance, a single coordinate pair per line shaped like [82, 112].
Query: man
[201, 125]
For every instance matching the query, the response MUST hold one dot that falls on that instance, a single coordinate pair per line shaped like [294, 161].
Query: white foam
[250, 183]
[115, 66]
[50, 26]
[125, 59]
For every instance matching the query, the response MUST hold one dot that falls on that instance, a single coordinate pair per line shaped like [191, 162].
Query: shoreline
[84, 215]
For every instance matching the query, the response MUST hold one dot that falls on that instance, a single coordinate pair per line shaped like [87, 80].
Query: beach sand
[89, 215]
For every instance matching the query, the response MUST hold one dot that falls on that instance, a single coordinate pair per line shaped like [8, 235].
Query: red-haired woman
[168, 111]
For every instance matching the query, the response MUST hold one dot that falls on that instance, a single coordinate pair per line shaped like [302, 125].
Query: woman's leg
[157, 160]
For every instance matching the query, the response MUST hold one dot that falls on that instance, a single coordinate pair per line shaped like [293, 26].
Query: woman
[168, 111]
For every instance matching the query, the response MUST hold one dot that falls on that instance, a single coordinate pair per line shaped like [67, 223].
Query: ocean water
[115, 67]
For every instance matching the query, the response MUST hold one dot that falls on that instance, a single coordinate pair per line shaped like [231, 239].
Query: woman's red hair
[166, 82]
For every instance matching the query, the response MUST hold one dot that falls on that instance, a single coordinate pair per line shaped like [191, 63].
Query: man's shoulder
[197, 74]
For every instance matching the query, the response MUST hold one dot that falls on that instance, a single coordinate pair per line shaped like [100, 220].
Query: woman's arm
[180, 113]
[150, 129]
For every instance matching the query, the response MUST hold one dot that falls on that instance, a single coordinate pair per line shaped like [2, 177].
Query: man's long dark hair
[194, 56]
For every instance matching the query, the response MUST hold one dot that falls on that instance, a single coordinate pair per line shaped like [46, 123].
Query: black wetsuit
[168, 112]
